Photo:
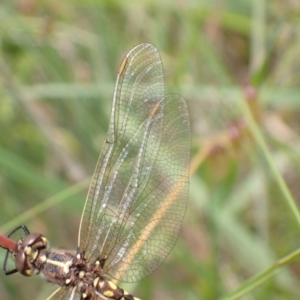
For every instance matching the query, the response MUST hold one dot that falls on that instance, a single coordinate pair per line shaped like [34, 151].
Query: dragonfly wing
[153, 225]
[139, 88]
[138, 194]
[64, 293]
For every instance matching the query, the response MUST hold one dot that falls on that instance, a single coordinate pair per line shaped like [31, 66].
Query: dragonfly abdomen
[111, 291]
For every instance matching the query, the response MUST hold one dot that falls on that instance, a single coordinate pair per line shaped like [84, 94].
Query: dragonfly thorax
[65, 268]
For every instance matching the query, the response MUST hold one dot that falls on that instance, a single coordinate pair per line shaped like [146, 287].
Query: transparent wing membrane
[138, 195]
[64, 293]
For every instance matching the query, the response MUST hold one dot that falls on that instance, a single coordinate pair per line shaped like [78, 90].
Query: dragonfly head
[27, 252]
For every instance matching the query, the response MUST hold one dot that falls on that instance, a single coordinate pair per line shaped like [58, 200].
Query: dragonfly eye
[28, 250]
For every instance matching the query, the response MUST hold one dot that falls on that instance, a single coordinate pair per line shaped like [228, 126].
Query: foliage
[58, 65]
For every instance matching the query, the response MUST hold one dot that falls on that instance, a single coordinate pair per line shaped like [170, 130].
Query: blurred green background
[58, 66]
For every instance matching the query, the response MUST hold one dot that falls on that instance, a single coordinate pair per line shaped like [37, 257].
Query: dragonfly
[137, 198]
